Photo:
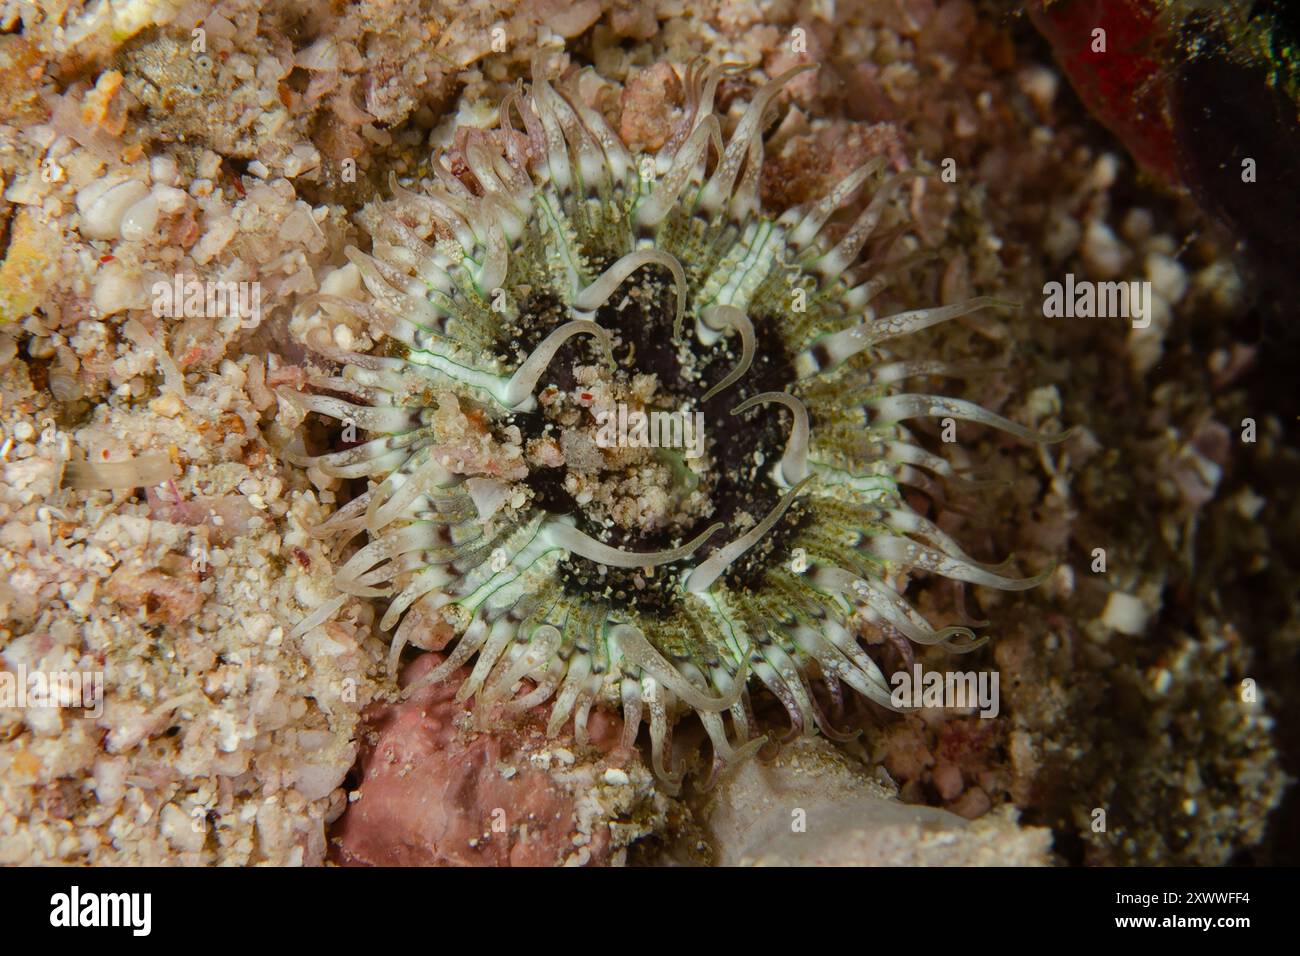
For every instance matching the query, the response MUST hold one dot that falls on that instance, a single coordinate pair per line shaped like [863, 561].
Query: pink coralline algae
[436, 792]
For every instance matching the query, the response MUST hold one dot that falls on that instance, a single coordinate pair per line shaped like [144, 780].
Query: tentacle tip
[299, 400]
[794, 71]
[974, 483]
[974, 645]
[711, 531]
[669, 781]
[1058, 437]
[1029, 583]
[711, 392]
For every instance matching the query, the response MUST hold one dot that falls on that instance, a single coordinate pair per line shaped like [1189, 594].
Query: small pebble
[140, 219]
[103, 218]
[163, 171]
[1102, 251]
[1125, 613]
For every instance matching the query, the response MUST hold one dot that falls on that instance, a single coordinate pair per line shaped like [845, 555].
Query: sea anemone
[560, 282]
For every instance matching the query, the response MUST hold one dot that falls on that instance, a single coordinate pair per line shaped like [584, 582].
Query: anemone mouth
[697, 480]
[518, 488]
